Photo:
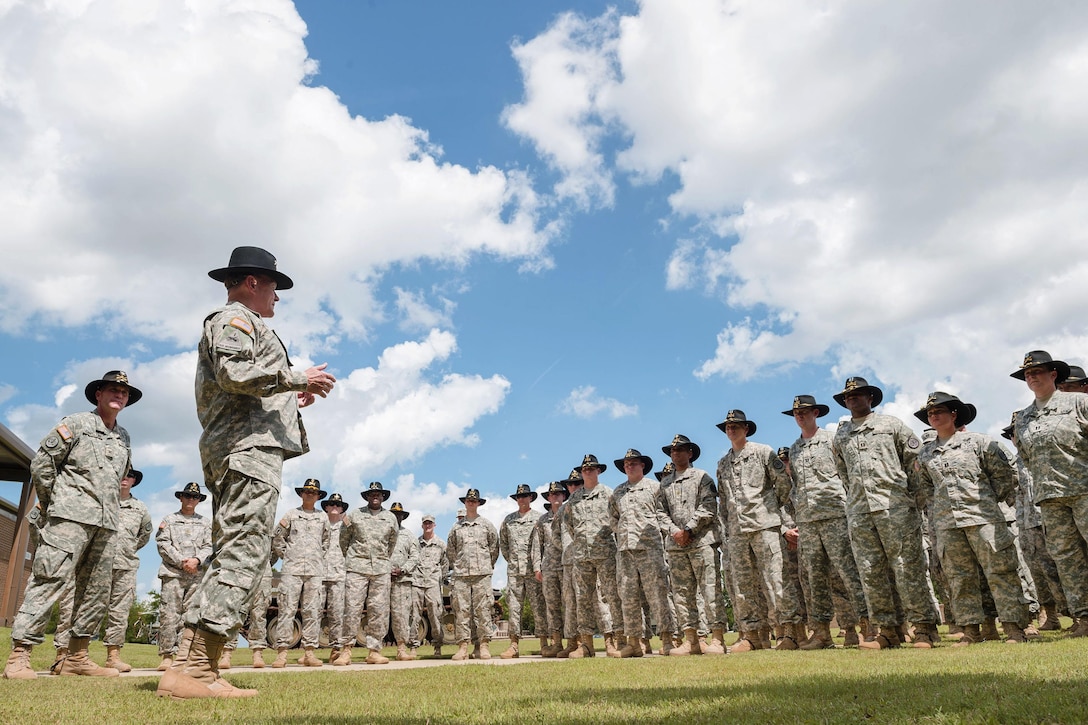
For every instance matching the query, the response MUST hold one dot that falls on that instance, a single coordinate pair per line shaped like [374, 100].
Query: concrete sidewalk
[361, 667]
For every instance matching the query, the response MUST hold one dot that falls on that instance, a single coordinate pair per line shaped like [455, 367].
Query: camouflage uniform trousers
[1065, 521]
[887, 548]
[122, 595]
[643, 574]
[518, 589]
[759, 572]
[696, 577]
[1044, 571]
[299, 593]
[551, 589]
[177, 595]
[402, 607]
[245, 512]
[334, 595]
[593, 578]
[796, 574]
[429, 605]
[825, 548]
[570, 605]
[962, 551]
[67, 551]
[1027, 581]
[64, 615]
[369, 592]
[472, 601]
[257, 631]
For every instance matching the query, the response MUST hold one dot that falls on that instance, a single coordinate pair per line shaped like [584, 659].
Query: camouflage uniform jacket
[818, 493]
[563, 536]
[544, 550]
[246, 396]
[964, 478]
[473, 547]
[635, 515]
[1028, 515]
[514, 535]
[405, 556]
[690, 502]
[753, 489]
[585, 514]
[77, 470]
[433, 563]
[302, 540]
[874, 457]
[1053, 442]
[367, 539]
[335, 571]
[133, 535]
[182, 537]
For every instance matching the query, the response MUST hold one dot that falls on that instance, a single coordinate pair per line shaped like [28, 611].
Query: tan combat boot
[748, 642]
[544, 643]
[610, 648]
[821, 637]
[309, 659]
[866, 629]
[632, 647]
[485, 649]
[955, 632]
[668, 644]
[376, 658]
[765, 641]
[1049, 621]
[224, 659]
[512, 651]
[402, 653]
[1079, 629]
[258, 658]
[78, 662]
[690, 646]
[850, 636]
[925, 636]
[344, 658]
[1014, 633]
[196, 676]
[18, 666]
[113, 659]
[716, 645]
[989, 629]
[564, 653]
[462, 652]
[886, 638]
[969, 635]
[792, 637]
[475, 651]
[167, 663]
[334, 653]
[647, 648]
[62, 652]
[547, 649]
[281, 658]
[585, 647]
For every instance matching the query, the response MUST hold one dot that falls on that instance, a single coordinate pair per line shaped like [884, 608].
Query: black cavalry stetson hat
[1076, 374]
[312, 485]
[965, 412]
[398, 511]
[802, 402]
[252, 260]
[376, 486]
[557, 487]
[524, 490]
[473, 495]
[191, 489]
[1037, 358]
[138, 475]
[334, 500]
[1006, 432]
[859, 385]
[737, 416]
[682, 440]
[632, 454]
[113, 376]
[574, 479]
[669, 468]
[590, 461]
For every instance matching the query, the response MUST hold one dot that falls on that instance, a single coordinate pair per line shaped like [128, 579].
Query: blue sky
[521, 232]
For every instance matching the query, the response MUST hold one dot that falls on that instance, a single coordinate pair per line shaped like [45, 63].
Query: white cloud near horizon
[897, 191]
[585, 402]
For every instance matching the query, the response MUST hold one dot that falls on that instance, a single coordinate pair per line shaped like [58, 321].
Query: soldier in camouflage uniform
[335, 580]
[1076, 382]
[133, 535]
[514, 540]
[545, 558]
[473, 549]
[184, 541]
[402, 597]
[564, 537]
[434, 566]
[1052, 433]
[1029, 520]
[302, 540]
[368, 538]
[585, 514]
[637, 521]
[875, 456]
[257, 631]
[965, 475]
[819, 506]
[689, 501]
[76, 474]
[753, 489]
[247, 399]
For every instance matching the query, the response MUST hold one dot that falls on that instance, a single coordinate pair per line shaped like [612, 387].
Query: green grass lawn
[1044, 682]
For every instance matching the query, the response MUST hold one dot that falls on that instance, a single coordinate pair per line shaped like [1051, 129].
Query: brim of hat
[385, 494]
[878, 395]
[751, 426]
[601, 467]
[134, 394]
[325, 505]
[821, 410]
[695, 451]
[139, 476]
[532, 496]
[282, 280]
[1061, 367]
[647, 464]
[479, 501]
[177, 495]
[965, 412]
[402, 514]
[1006, 432]
[300, 489]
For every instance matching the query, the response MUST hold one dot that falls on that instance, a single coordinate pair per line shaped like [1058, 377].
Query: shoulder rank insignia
[242, 325]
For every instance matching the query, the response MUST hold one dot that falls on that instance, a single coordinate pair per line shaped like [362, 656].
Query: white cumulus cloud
[584, 402]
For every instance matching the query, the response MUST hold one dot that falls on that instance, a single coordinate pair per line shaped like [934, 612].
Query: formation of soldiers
[865, 525]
